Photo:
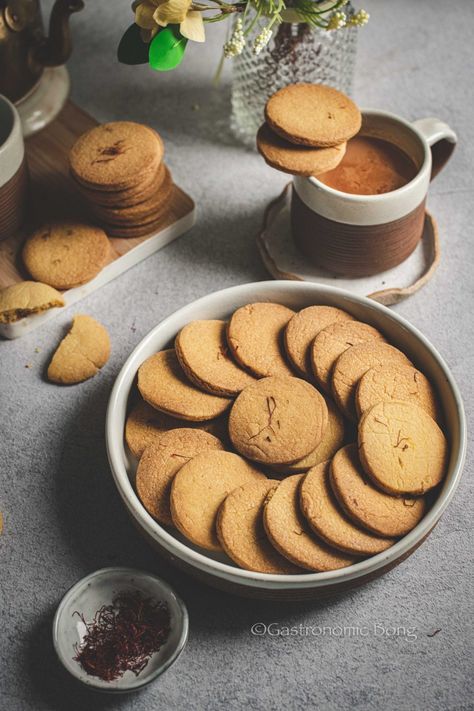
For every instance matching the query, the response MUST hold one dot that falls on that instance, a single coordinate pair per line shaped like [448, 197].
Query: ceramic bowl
[99, 588]
[218, 571]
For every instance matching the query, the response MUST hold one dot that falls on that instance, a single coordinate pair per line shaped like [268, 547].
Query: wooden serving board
[53, 196]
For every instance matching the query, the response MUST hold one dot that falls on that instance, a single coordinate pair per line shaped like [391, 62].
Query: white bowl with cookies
[284, 439]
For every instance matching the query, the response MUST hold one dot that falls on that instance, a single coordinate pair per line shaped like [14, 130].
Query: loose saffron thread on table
[122, 636]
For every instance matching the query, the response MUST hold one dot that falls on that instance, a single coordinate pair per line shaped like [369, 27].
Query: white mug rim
[12, 150]
[412, 184]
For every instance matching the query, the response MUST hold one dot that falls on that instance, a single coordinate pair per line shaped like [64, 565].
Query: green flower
[360, 18]
[262, 40]
[235, 45]
[337, 20]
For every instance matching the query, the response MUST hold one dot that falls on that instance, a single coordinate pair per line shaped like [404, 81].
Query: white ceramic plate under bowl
[99, 588]
[296, 295]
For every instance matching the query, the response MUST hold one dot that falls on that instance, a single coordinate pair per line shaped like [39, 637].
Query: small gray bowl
[98, 589]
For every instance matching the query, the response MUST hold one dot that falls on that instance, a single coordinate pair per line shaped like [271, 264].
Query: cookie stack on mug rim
[118, 168]
[306, 129]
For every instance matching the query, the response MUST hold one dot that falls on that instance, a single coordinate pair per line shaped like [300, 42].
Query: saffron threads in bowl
[123, 636]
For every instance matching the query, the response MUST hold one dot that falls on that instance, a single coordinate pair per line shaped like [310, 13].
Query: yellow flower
[172, 12]
[192, 27]
[152, 14]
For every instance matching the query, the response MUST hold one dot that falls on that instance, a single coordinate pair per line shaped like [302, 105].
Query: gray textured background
[63, 517]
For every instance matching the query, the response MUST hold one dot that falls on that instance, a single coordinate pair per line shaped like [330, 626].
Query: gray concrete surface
[63, 517]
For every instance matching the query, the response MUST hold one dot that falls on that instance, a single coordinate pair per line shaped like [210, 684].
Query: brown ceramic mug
[13, 171]
[359, 235]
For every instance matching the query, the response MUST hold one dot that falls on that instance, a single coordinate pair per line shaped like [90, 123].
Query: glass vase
[295, 53]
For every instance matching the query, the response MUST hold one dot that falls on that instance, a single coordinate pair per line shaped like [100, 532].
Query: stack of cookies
[289, 441]
[118, 167]
[306, 129]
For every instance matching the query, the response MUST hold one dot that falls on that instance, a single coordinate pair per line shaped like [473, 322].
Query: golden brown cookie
[396, 382]
[66, 254]
[325, 517]
[141, 191]
[333, 439]
[26, 298]
[130, 231]
[313, 115]
[163, 385]
[241, 534]
[332, 341]
[289, 532]
[203, 352]
[142, 213]
[145, 426]
[200, 487]
[255, 337]
[278, 420]
[351, 366]
[114, 156]
[296, 159]
[161, 461]
[302, 329]
[81, 354]
[401, 448]
[366, 505]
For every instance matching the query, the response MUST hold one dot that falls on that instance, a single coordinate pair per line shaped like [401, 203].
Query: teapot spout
[56, 48]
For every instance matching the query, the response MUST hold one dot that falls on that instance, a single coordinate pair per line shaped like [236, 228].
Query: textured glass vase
[295, 53]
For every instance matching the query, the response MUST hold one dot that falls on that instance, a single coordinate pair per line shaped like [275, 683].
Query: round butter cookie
[25, 298]
[140, 192]
[401, 448]
[351, 366]
[145, 426]
[332, 341]
[278, 420]
[313, 115]
[161, 461]
[163, 385]
[333, 439]
[322, 511]
[116, 155]
[302, 329]
[396, 382]
[144, 212]
[138, 230]
[289, 532]
[203, 353]
[241, 533]
[200, 487]
[255, 337]
[367, 506]
[296, 159]
[66, 254]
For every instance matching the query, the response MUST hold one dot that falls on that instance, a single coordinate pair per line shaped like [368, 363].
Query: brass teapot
[24, 49]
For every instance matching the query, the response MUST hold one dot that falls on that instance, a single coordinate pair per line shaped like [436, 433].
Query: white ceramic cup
[358, 235]
[13, 170]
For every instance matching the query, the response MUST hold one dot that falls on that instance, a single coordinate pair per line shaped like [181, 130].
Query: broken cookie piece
[25, 298]
[81, 354]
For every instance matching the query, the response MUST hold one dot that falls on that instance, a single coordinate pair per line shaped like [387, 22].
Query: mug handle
[441, 139]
